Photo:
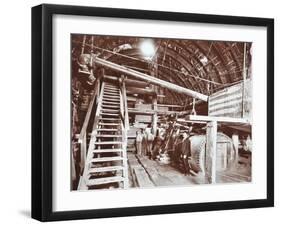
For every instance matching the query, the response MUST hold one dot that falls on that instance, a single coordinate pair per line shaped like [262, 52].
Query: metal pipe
[150, 79]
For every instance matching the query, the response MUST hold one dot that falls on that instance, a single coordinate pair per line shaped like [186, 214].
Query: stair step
[110, 119]
[112, 97]
[106, 150]
[109, 124]
[104, 180]
[109, 106]
[111, 91]
[116, 95]
[108, 142]
[111, 114]
[105, 169]
[109, 102]
[108, 135]
[111, 86]
[106, 159]
[109, 130]
[110, 110]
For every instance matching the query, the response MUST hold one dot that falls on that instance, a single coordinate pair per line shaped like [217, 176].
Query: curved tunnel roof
[200, 65]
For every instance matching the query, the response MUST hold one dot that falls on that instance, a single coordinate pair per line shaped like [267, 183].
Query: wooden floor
[146, 173]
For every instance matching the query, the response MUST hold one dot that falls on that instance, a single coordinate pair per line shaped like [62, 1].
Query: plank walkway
[146, 173]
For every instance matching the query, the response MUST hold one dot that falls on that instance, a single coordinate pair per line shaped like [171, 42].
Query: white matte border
[64, 199]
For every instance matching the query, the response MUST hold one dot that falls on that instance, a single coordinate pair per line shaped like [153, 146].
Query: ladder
[106, 163]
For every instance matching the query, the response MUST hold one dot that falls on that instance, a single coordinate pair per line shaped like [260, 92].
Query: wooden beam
[132, 99]
[189, 121]
[217, 119]
[154, 118]
[134, 90]
[123, 91]
[235, 141]
[150, 112]
[170, 105]
[211, 149]
[148, 78]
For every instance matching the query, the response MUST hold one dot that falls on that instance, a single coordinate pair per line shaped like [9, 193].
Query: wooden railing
[124, 129]
[84, 131]
[82, 184]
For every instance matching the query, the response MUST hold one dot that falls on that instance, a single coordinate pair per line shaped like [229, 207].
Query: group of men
[178, 146]
[181, 152]
[144, 143]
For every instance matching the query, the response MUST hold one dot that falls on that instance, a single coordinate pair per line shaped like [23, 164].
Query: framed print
[147, 112]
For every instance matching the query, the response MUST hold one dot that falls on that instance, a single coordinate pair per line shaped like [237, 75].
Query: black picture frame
[42, 111]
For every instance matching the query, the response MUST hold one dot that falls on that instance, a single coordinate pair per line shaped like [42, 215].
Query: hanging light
[147, 48]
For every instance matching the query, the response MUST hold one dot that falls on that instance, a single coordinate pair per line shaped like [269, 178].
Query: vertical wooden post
[73, 170]
[83, 44]
[125, 128]
[211, 149]
[125, 104]
[244, 80]
[83, 151]
[154, 117]
[235, 140]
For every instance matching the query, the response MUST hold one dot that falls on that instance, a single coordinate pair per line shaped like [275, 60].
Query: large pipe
[150, 79]
[128, 82]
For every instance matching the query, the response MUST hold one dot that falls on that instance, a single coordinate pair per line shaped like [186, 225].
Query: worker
[157, 143]
[186, 152]
[139, 139]
[150, 138]
[144, 142]
[173, 145]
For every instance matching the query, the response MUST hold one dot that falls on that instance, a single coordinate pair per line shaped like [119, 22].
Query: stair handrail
[125, 113]
[82, 140]
[124, 128]
[86, 159]
[90, 110]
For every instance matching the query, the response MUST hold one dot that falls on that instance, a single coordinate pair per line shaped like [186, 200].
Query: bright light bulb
[147, 48]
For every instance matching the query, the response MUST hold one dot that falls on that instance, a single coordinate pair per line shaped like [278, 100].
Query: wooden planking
[204, 118]
[165, 174]
[232, 101]
[142, 178]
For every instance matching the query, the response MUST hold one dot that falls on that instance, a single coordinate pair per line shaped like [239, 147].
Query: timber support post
[211, 151]
[154, 117]
[235, 140]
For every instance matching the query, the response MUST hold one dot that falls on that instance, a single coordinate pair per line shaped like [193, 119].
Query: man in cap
[186, 152]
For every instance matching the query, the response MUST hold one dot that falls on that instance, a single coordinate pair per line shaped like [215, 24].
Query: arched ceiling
[201, 65]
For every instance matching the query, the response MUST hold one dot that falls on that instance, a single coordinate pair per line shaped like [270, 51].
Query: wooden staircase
[106, 162]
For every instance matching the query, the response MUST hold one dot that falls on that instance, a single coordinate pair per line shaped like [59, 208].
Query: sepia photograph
[159, 112]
